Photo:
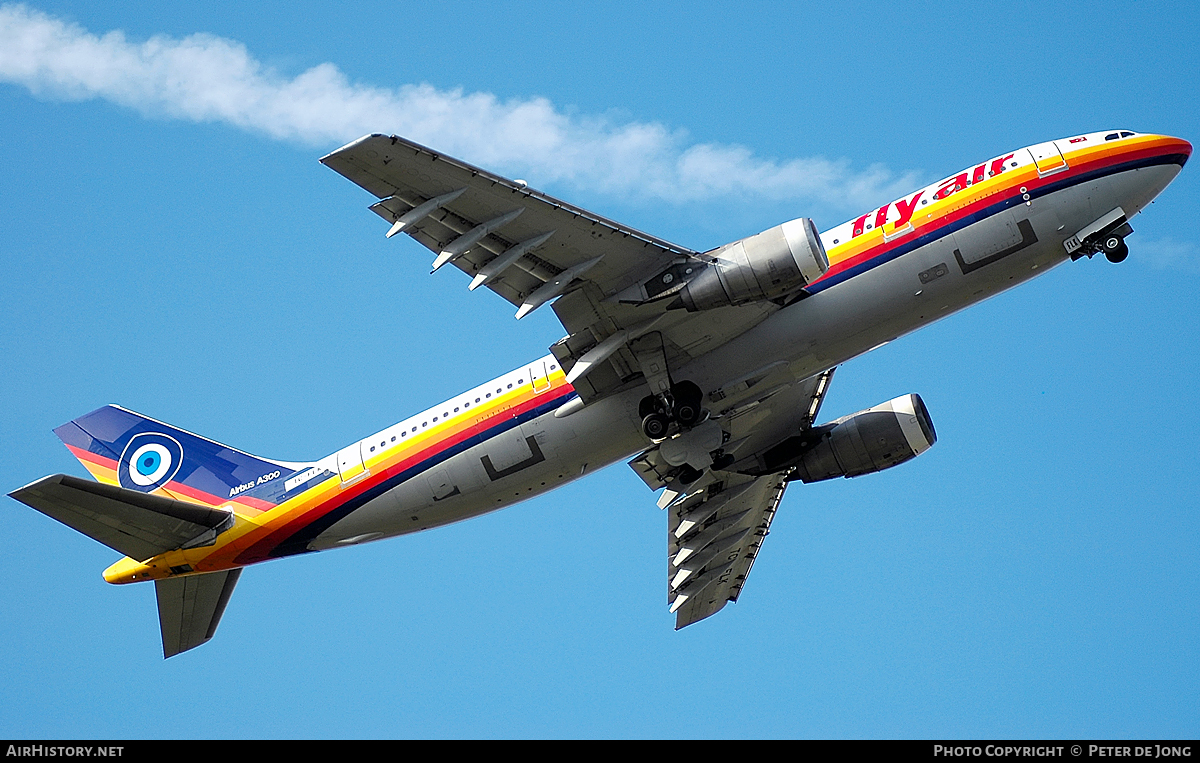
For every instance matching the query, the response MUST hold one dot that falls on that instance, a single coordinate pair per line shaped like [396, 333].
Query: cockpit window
[1116, 135]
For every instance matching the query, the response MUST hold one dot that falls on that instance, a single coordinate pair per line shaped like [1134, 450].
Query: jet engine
[861, 443]
[768, 265]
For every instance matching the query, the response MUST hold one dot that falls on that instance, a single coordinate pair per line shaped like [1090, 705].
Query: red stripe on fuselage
[262, 548]
[1078, 166]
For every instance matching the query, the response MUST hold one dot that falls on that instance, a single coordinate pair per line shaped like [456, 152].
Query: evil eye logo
[150, 461]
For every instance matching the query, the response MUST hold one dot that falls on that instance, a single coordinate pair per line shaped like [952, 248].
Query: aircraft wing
[716, 525]
[532, 249]
[715, 534]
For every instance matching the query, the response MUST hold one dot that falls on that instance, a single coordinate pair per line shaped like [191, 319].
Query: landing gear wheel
[655, 426]
[689, 403]
[1115, 249]
[687, 413]
[650, 404]
[687, 475]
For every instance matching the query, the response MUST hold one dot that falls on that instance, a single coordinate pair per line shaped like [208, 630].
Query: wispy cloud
[204, 78]
[1168, 254]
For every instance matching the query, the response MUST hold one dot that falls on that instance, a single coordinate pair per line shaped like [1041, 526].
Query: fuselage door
[441, 485]
[1047, 158]
[539, 376]
[350, 463]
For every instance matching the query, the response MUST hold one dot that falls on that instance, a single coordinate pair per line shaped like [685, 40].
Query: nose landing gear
[1105, 235]
[1114, 247]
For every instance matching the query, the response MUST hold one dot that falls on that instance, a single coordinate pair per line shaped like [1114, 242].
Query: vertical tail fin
[120, 447]
[190, 608]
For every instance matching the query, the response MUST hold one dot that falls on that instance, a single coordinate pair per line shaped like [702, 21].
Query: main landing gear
[688, 441]
[682, 404]
[1103, 236]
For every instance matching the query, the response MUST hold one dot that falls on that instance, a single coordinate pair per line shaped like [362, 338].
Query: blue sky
[171, 244]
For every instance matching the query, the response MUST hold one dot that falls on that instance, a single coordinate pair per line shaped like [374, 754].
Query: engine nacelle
[861, 443]
[768, 265]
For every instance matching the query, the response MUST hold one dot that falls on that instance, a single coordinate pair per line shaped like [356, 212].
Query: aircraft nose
[1175, 146]
[1172, 151]
[1160, 158]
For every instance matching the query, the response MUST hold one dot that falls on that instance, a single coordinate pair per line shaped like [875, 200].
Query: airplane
[706, 371]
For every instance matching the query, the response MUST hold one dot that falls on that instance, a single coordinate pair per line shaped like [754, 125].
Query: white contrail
[204, 78]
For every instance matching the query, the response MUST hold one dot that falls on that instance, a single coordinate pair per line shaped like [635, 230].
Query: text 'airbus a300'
[706, 369]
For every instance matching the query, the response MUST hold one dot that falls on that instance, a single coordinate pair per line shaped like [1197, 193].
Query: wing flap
[190, 608]
[138, 525]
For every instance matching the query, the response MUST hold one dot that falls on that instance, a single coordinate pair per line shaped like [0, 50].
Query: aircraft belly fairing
[705, 370]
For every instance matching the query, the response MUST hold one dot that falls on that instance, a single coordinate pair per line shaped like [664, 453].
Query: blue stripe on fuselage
[297, 542]
[1014, 200]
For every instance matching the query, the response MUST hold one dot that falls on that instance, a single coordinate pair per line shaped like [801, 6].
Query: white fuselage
[841, 321]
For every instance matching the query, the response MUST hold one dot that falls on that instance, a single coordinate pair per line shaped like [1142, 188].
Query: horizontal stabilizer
[190, 608]
[138, 525]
